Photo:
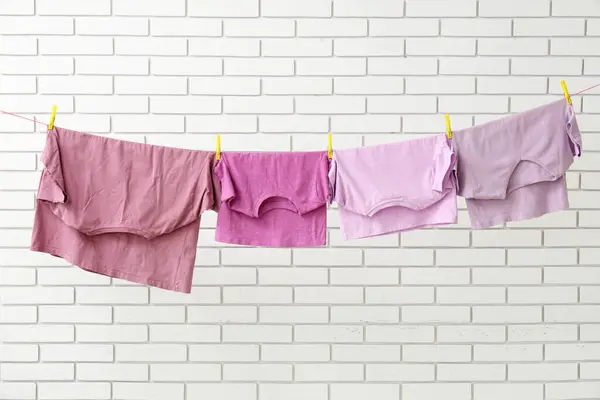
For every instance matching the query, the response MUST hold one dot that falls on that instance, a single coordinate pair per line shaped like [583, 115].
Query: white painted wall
[449, 314]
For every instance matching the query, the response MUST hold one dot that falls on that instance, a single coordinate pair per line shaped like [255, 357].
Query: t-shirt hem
[397, 229]
[256, 242]
[106, 271]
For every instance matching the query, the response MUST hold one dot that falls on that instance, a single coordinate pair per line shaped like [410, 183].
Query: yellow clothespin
[218, 147]
[329, 146]
[52, 118]
[564, 88]
[448, 129]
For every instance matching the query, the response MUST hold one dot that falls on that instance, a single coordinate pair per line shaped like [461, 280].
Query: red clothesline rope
[43, 123]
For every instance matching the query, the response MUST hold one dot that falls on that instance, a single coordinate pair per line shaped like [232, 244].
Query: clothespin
[566, 91]
[448, 129]
[329, 146]
[52, 118]
[218, 147]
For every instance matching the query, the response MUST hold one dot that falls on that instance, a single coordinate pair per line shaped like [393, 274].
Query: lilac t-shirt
[273, 199]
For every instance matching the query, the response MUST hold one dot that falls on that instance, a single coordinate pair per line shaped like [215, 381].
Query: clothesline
[43, 123]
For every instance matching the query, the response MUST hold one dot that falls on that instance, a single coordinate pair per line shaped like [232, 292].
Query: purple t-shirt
[273, 199]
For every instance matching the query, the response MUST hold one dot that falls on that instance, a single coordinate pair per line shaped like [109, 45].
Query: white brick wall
[447, 313]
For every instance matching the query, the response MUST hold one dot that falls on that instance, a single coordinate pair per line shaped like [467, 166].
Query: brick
[185, 105]
[511, 85]
[72, 7]
[542, 333]
[467, 257]
[261, 27]
[36, 333]
[267, 295]
[35, 25]
[508, 352]
[151, 46]
[111, 372]
[293, 391]
[18, 353]
[75, 45]
[507, 314]
[150, 352]
[241, 391]
[331, 105]
[329, 257]
[225, 8]
[184, 27]
[258, 105]
[542, 257]
[37, 295]
[512, 47]
[471, 372]
[516, 391]
[148, 391]
[545, 372]
[398, 104]
[296, 85]
[404, 27]
[150, 85]
[259, 67]
[571, 313]
[416, 391]
[571, 237]
[364, 314]
[293, 123]
[390, 372]
[111, 66]
[17, 7]
[400, 334]
[583, 8]
[34, 372]
[513, 8]
[507, 276]
[549, 27]
[366, 353]
[294, 314]
[257, 333]
[14, 201]
[364, 276]
[76, 352]
[328, 295]
[295, 8]
[111, 26]
[469, 295]
[183, 333]
[380, 391]
[75, 85]
[482, 27]
[18, 46]
[186, 66]
[331, 27]
[185, 372]
[440, 46]
[542, 295]
[573, 47]
[148, 123]
[328, 372]
[369, 47]
[296, 48]
[17, 162]
[259, 372]
[366, 8]
[403, 66]
[570, 390]
[331, 66]
[69, 277]
[149, 314]
[75, 314]
[225, 86]
[499, 238]
[295, 352]
[399, 295]
[16, 276]
[475, 66]
[470, 334]
[435, 276]
[110, 334]
[174, 8]
[572, 352]
[223, 352]
[18, 314]
[436, 314]
[328, 334]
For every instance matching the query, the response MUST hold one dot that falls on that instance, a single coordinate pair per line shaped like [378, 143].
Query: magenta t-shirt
[273, 199]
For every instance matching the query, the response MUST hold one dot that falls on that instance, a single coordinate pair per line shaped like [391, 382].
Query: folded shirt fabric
[394, 187]
[513, 168]
[123, 209]
[273, 199]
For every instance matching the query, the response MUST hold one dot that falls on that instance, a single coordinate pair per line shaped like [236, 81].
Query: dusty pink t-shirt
[123, 209]
[273, 199]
